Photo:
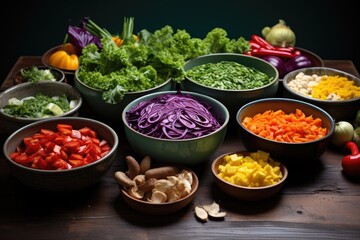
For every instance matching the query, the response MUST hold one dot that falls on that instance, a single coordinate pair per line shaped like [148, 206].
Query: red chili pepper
[351, 163]
[262, 42]
[265, 52]
[253, 44]
[285, 49]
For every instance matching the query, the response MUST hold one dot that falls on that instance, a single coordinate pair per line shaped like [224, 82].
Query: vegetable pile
[173, 116]
[347, 137]
[228, 75]
[136, 62]
[278, 49]
[63, 149]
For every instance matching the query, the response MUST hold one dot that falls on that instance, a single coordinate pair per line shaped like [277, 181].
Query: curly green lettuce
[156, 58]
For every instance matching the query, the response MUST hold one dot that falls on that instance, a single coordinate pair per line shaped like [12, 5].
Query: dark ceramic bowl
[49, 88]
[112, 112]
[181, 151]
[340, 110]
[61, 180]
[233, 99]
[289, 153]
[58, 74]
[246, 193]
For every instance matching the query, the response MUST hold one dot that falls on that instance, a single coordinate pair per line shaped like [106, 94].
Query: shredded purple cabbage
[173, 116]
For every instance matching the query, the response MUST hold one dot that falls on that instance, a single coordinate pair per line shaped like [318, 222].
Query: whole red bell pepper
[351, 163]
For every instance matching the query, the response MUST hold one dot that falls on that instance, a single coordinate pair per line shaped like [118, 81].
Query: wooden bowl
[246, 193]
[161, 208]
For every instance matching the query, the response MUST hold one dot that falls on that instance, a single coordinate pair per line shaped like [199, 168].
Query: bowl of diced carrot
[291, 130]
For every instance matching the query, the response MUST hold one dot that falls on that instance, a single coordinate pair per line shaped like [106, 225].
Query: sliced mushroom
[136, 193]
[158, 197]
[139, 179]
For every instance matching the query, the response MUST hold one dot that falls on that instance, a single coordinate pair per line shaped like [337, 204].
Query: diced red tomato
[46, 131]
[76, 134]
[76, 163]
[67, 148]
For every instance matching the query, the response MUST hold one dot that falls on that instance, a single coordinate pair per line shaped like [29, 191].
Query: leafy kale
[146, 64]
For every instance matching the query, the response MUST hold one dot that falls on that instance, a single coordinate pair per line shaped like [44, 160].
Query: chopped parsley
[36, 107]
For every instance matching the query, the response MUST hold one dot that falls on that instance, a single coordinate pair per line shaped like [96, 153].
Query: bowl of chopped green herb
[29, 102]
[233, 79]
[38, 73]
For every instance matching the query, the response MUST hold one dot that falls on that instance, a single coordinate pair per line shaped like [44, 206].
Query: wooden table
[317, 202]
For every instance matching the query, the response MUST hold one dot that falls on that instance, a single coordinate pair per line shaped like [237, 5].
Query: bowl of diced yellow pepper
[249, 176]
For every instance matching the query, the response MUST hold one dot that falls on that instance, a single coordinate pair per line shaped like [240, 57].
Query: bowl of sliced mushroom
[158, 189]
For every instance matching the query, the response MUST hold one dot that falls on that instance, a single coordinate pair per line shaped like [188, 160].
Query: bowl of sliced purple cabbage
[175, 127]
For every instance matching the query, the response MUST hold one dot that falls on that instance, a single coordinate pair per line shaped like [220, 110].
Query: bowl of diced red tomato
[61, 154]
[293, 131]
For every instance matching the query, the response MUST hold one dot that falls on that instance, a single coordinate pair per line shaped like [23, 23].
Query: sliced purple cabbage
[173, 116]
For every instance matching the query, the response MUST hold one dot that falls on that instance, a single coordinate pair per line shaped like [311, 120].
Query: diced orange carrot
[278, 126]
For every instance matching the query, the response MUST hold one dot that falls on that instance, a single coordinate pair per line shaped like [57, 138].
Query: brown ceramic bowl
[58, 74]
[46, 56]
[290, 153]
[246, 193]
[161, 208]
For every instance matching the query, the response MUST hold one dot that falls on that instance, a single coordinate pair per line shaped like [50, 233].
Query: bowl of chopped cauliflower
[249, 176]
[29, 102]
[335, 91]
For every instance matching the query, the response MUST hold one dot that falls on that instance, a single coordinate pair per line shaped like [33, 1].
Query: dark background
[327, 28]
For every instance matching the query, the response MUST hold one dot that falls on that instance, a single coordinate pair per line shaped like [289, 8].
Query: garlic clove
[201, 214]
[212, 208]
[217, 214]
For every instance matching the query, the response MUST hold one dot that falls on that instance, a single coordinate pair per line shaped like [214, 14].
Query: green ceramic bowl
[112, 112]
[233, 99]
[184, 152]
[61, 180]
